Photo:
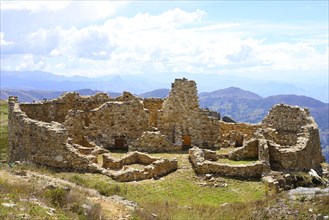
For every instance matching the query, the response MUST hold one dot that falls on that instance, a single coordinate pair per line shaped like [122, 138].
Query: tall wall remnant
[183, 122]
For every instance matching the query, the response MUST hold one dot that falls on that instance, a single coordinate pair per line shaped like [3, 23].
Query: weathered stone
[248, 151]
[71, 131]
[183, 122]
[293, 139]
[203, 165]
[155, 167]
[153, 142]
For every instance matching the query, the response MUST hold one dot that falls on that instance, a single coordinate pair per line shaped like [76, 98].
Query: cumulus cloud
[3, 42]
[173, 41]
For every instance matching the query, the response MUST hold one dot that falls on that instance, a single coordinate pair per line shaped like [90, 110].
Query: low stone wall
[153, 142]
[203, 166]
[155, 167]
[57, 109]
[248, 151]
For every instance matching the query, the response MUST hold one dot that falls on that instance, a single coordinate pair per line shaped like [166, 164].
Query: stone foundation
[204, 165]
[155, 167]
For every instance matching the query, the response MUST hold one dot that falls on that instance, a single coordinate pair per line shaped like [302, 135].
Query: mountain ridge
[137, 84]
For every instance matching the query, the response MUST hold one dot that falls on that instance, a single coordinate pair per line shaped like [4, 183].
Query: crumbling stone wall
[41, 142]
[69, 133]
[153, 142]
[293, 138]
[57, 109]
[183, 122]
[235, 134]
[153, 105]
[117, 120]
[250, 150]
[155, 167]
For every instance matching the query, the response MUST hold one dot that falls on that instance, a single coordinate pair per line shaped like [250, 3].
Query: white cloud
[3, 42]
[174, 41]
[31, 62]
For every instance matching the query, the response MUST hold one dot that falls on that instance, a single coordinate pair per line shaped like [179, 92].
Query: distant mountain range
[137, 84]
[37, 95]
[241, 105]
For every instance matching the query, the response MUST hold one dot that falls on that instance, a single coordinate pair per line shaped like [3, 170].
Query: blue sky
[275, 40]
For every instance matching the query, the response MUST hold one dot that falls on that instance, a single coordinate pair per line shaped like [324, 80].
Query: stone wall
[153, 142]
[293, 138]
[248, 151]
[57, 109]
[234, 134]
[183, 122]
[203, 165]
[42, 143]
[155, 167]
[117, 123]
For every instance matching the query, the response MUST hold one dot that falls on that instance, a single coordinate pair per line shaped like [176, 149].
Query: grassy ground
[180, 195]
[25, 199]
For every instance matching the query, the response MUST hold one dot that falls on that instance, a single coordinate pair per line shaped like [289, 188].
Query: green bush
[57, 196]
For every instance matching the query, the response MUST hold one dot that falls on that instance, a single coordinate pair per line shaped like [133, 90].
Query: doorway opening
[186, 141]
[120, 143]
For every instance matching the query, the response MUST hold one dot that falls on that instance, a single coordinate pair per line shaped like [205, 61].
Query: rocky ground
[112, 207]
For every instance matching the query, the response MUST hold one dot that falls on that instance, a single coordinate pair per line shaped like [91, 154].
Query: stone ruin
[78, 133]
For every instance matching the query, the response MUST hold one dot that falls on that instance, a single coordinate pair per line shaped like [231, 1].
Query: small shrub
[57, 196]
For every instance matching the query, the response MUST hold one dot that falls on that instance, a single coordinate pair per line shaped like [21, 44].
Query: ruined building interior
[78, 133]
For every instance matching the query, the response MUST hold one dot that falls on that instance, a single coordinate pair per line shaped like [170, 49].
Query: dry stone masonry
[75, 132]
[154, 167]
[183, 122]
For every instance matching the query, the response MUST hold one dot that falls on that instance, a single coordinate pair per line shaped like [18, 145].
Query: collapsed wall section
[183, 122]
